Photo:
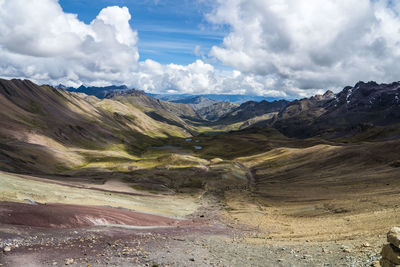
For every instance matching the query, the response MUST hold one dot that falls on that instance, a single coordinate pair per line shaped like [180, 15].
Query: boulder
[393, 237]
[69, 261]
[391, 253]
[386, 263]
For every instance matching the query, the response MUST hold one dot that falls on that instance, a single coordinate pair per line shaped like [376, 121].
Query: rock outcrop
[391, 251]
[354, 110]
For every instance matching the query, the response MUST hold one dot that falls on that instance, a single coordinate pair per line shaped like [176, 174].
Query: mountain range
[363, 107]
[236, 99]
[101, 92]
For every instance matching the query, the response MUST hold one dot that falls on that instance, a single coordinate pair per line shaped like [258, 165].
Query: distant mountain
[99, 92]
[196, 102]
[237, 99]
[366, 108]
[216, 111]
[102, 92]
[240, 99]
[252, 109]
[129, 92]
[163, 111]
[354, 109]
[171, 97]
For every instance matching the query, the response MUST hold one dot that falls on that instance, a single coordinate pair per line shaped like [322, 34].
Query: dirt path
[249, 174]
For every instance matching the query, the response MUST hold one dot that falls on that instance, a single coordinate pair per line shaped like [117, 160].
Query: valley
[129, 179]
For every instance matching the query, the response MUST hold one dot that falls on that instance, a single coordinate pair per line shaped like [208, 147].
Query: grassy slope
[17, 188]
[325, 191]
[48, 130]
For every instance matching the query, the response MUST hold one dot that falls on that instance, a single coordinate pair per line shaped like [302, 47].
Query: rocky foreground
[205, 238]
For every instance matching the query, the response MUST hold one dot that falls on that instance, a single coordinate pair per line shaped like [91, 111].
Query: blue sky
[168, 30]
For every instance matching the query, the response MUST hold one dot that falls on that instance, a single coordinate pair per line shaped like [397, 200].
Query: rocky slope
[359, 109]
[216, 111]
[250, 110]
[197, 102]
[99, 92]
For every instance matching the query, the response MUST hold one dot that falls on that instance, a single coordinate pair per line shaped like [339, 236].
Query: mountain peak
[197, 102]
[328, 94]
[131, 92]
[61, 86]
[99, 92]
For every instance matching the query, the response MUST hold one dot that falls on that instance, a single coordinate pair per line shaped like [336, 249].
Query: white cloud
[39, 41]
[311, 43]
[281, 48]
[197, 51]
[200, 78]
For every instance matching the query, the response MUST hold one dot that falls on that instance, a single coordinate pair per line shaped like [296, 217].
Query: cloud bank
[279, 48]
[311, 43]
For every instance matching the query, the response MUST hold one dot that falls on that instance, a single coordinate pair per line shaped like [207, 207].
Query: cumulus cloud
[311, 44]
[279, 48]
[201, 78]
[39, 41]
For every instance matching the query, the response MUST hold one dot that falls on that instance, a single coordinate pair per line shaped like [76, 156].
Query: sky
[274, 48]
[169, 31]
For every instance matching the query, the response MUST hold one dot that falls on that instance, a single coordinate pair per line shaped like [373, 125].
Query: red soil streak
[75, 216]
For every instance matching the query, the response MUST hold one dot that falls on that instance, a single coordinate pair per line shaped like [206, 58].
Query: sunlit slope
[177, 114]
[323, 192]
[14, 188]
[324, 171]
[43, 128]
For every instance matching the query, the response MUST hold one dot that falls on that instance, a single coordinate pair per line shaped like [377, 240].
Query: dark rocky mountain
[99, 92]
[129, 92]
[354, 109]
[381, 99]
[197, 102]
[252, 109]
[216, 111]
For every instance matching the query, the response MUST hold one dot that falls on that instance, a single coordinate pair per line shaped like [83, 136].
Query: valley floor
[300, 203]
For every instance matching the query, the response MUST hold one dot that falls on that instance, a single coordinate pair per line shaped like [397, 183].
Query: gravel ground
[214, 240]
[215, 245]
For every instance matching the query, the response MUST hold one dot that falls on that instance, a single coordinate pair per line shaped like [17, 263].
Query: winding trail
[249, 174]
